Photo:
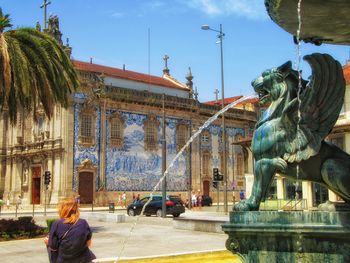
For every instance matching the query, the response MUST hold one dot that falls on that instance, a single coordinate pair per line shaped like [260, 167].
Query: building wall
[130, 169]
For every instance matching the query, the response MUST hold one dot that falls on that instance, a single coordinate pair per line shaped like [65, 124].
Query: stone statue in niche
[290, 134]
[25, 176]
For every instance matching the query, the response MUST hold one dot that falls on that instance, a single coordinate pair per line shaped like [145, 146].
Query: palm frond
[40, 71]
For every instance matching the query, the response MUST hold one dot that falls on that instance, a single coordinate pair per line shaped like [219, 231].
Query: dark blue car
[174, 206]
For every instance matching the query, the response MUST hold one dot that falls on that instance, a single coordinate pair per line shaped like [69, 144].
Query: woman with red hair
[70, 236]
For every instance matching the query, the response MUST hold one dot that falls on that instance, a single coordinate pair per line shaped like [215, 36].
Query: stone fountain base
[272, 236]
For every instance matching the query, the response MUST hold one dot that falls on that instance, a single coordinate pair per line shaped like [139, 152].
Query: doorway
[206, 187]
[36, 183]
[86, 186]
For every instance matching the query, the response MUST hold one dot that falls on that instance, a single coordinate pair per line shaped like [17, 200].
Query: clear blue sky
[115, 32]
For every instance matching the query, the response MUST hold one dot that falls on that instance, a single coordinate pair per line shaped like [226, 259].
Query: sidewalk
[151, 236]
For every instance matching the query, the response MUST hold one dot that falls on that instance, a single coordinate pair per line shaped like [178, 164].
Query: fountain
[289, 139]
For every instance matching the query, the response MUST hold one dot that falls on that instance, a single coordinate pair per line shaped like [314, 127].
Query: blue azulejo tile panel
[134, 169]
[82, 153]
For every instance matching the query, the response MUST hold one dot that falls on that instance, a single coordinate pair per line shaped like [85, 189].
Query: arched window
[181, 136]
[116, 131]
[151, 133]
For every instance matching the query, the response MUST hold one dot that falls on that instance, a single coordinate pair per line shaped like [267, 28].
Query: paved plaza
[151, 236]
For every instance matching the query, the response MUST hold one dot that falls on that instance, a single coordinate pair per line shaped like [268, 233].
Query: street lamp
[220, 37]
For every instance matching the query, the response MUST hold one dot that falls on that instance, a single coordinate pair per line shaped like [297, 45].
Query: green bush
[23, 227]
[49, 223]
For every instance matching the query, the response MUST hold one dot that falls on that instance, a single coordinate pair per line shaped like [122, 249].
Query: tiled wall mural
[132, 168]
[82, 153]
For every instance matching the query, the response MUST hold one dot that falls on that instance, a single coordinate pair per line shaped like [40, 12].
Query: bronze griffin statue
[290, 134]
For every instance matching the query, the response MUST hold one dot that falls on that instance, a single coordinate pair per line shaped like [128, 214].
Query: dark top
[71, 248]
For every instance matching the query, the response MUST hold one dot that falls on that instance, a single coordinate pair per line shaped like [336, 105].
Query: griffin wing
[320, 103]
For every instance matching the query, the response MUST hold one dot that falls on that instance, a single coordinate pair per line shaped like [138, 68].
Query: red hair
[68, 210]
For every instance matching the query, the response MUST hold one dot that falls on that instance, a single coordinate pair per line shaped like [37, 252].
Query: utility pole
[221, 35]
[163, 162]
[44, 5]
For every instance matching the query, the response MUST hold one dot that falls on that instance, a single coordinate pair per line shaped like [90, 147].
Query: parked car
[206, 200]
[174, 206]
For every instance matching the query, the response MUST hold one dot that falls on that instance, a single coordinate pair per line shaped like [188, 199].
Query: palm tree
[34, 69]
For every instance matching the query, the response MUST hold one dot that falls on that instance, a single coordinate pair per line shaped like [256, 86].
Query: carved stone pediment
[86, 165]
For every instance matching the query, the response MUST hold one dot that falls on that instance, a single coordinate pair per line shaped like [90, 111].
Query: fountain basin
[273, 236]
[323, 21]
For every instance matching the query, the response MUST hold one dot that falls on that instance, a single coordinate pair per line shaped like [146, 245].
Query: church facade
[109, 140]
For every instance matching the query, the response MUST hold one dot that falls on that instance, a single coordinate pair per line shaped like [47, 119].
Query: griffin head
[272, 84]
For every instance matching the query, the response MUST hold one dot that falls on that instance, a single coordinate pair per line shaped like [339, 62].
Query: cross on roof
[44, 5]
[216, 92]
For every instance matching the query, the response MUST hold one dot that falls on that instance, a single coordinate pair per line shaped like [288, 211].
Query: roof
[232, 99]
[128, 75]
[346, 70]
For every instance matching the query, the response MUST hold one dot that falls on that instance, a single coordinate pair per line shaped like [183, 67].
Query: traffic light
[220, 177]
[216, 174]
[47, 178]
[215, 184]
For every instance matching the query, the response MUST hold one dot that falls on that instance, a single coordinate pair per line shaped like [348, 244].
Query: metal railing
[284, 204]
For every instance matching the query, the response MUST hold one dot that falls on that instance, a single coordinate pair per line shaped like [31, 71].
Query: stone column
[332, 196]
[67, 119]
[280, 187]
[308, 194]
[16, 178]
[8, 179]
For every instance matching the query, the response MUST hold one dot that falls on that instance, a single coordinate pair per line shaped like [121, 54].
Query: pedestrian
[241, 195]
[70, 236]
[137, 197]
[199, 199]
[194, 200]
[124, 199]
[8, 203]
[119, 200]
[19, 202]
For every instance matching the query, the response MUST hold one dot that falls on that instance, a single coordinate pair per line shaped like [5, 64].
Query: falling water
[298, 62]
[200, 129]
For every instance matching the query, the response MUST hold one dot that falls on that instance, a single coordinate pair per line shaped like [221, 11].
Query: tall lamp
[220, 37]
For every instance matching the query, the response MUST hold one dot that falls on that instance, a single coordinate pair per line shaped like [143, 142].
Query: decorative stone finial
[195, 93]
[38, 26]
[189, 78]
[54, 28]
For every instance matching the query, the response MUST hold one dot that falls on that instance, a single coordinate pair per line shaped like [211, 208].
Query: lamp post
[220, 37]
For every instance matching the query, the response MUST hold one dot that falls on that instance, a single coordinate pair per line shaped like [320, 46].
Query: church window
[87, 127]
[205, 163]
[240, 164]
[116, 131]
[181, 136]
[151, 133]
[205, 138]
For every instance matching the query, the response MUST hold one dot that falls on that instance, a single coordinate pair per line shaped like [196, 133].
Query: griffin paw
[280, 164]
[245, 205]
